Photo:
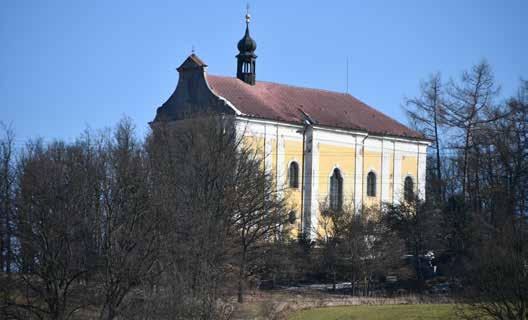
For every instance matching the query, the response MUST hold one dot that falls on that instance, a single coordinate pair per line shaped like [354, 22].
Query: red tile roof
[280, 102]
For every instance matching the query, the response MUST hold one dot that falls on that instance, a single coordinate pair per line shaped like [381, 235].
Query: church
[321, 146]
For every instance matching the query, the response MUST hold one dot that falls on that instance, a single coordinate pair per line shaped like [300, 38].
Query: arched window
[292, 216]
[408, 189]
[293, 175]
[371, 184]
[336, 190]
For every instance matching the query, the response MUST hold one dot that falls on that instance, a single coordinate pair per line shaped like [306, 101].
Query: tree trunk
[334, 276]
[438, 159]
[353, 285]
[108, 312]
[8, 251]
[465, 166]
[241, 277]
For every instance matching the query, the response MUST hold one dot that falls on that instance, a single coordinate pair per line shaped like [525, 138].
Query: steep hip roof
[280, 102]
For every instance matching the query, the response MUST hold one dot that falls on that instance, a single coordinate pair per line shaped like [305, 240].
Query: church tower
[246, 56]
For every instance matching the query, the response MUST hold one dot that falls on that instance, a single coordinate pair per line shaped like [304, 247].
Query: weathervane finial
[192, 49]
[248, 16]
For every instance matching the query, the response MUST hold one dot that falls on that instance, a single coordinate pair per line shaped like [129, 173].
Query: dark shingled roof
[193, 61]
[280, 102]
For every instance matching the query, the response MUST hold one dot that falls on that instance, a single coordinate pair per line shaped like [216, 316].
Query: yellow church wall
[330, 154]
[330, 157]
[254, 142]
[273, 156]
[372, 162]
[293, 152]
[409, 167]
[258, 144]
[342, 157]
[390, 180]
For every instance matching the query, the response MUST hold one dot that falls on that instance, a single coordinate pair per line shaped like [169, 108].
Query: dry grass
[382, 312]
[280, 304]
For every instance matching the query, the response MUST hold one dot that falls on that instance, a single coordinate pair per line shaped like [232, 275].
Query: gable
[192, 94]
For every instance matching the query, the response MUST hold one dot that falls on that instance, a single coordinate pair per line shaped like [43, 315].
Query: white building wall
[386, 165]
[358, 176]
[422, 163]
[392, 152]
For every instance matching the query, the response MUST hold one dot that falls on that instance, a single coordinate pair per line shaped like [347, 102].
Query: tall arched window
[408, 189]
[371, 184]
[293, 175]
[336, 190]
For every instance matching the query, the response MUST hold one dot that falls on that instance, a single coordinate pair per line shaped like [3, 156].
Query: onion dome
[246, 64]
[247, 44]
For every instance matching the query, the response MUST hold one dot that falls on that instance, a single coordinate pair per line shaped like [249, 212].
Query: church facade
[321, 146]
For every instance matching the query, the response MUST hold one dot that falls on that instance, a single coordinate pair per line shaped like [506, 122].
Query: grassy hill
[381, 312]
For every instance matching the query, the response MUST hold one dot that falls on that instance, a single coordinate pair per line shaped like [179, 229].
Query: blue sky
[68, 65]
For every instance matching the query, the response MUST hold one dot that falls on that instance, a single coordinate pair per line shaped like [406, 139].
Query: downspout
[277, 159]
[394, 172]
[355, 175]
[381, 175]
[302, 179]
[264, 144]
[363, 172]
[265, 168]
[417, 192]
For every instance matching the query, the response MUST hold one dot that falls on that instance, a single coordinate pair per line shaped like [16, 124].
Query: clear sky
[68, 65]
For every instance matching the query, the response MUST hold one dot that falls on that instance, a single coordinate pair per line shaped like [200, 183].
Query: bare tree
[87, 231]
[357, 247]
[50, 229]
[426, 114]
[416, 223]
[495, 277]
[496, 285]
[503, 150]
[191, 165]
[7, 176]
[456, 230]
[328, 237]
[7, 210]
[259, 210]
[226, 205]
[129, 224]
[278, 260]
[499, 275]
[467, 110]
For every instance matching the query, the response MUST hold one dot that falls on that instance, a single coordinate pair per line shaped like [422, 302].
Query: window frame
[372, 185]
[336, 201]
[408, 194]
[293, 180]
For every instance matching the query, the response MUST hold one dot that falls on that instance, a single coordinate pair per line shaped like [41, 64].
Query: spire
[246, 56]
[248, 17]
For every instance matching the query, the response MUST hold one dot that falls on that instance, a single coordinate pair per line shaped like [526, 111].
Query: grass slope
[381, 312]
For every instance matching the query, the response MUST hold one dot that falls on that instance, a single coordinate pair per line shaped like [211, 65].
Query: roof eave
[344, 129]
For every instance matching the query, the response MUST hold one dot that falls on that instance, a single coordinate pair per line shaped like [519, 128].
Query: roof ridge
[289, 85]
